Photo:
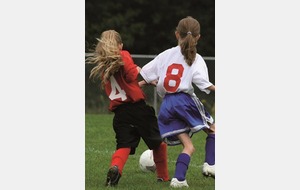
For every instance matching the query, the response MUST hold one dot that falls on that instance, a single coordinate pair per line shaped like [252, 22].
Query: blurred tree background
[146, 27]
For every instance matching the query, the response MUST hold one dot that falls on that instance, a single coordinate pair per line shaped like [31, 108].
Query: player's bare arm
[143, 82]
[212, 88]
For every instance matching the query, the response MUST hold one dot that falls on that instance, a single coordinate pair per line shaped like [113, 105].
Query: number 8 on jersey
[173, 77]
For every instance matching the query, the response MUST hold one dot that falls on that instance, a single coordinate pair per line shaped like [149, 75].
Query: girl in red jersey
[133, 118]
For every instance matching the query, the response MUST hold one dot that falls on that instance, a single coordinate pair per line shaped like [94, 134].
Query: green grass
[100, 145]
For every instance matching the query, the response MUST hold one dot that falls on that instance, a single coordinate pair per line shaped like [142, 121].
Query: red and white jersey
[123, 86]
[174, 74]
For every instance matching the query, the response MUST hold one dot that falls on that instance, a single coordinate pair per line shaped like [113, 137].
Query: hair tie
[189, 33]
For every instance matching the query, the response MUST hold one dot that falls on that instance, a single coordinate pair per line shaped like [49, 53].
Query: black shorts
[134, 121]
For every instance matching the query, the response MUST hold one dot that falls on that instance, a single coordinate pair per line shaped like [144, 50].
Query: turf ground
[100, 145]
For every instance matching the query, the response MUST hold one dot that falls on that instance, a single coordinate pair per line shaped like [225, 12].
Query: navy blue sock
[210, 149]
[182, 164]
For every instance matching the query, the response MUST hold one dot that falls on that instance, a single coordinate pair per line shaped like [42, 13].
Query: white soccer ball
[147, 163]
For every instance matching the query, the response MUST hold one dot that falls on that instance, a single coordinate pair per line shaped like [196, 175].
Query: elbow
[212, 88]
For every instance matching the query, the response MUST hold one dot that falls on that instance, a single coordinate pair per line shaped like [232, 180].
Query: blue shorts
[181, 113]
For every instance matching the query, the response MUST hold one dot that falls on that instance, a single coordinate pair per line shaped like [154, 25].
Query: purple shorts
[181, 113]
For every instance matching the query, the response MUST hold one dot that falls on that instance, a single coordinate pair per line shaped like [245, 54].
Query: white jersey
[174, 74]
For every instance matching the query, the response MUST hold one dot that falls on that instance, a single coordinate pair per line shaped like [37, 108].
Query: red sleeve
[131, 72]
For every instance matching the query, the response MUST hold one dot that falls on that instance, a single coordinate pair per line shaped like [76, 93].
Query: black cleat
[162, 180]
[113, 176]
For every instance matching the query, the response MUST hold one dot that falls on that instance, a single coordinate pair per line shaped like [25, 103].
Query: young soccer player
[181, 112]
[133, 118]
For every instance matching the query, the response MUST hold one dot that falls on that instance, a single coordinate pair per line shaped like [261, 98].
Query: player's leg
[149, 132]
[119, 158]
[209, 163]
[160, 159]
[204, 118]
[127, 139]
[118, 161]
[183, 161]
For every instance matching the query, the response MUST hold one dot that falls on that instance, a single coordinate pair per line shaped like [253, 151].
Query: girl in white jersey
[181, 113]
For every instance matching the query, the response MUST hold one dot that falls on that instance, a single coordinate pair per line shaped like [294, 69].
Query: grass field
[100, 145]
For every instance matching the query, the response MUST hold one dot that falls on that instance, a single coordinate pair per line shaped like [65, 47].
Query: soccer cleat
[208, 170]
[162, 180]
[178, 184]
[113, 176]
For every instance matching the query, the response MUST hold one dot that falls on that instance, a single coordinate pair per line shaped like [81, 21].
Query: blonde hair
[106, 57]
[189, 31]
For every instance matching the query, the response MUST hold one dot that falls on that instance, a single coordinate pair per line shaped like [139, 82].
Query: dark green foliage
[147, 27]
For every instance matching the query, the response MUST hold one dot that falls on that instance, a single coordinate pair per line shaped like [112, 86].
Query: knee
[210, 130]
[193, 149]
[189, 150]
